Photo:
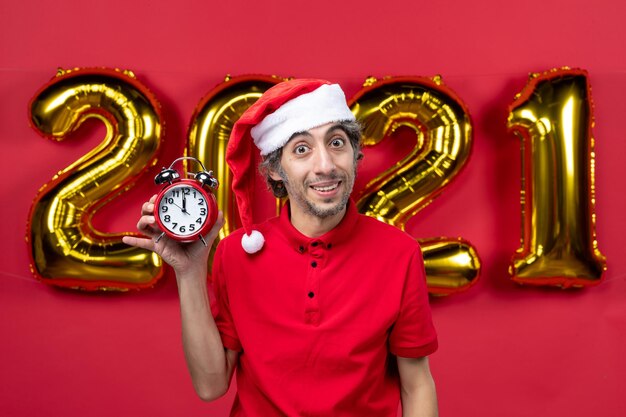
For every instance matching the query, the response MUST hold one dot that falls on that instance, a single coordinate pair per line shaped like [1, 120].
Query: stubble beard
[319, 212]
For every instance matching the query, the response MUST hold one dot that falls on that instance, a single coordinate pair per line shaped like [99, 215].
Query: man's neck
[314, 226]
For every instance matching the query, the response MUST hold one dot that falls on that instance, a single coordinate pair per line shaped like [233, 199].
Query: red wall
[505, 350]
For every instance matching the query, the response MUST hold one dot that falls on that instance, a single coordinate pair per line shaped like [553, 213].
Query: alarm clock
[185, 209]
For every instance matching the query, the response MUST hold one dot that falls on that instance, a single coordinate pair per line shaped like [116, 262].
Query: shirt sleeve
[413, 334]
[220, 306]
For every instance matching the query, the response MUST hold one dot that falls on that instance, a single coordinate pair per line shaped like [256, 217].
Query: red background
[505, 350]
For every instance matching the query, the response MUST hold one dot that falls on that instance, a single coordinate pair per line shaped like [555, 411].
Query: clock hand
[184, 204]
[182, 209]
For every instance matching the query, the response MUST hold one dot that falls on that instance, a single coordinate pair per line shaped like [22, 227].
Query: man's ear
[274, 175]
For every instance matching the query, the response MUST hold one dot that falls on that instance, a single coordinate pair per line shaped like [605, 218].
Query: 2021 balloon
[553, 115]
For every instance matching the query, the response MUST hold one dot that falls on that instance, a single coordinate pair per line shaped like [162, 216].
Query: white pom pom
[253, 242]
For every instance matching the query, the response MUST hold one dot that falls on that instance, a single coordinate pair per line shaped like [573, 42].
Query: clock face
[183, 210]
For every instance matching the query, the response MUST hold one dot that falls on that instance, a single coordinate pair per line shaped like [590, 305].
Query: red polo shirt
[315, 320]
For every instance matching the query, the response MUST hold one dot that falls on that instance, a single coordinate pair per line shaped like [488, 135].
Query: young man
[321, 311]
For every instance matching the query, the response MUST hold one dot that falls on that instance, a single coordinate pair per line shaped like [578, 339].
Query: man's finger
[147, 209]
[139, 242]
[147, 226]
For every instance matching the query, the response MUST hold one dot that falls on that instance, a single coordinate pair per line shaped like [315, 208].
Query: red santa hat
[286, 108]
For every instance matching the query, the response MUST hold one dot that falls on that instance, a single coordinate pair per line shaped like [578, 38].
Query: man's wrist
[196, 274]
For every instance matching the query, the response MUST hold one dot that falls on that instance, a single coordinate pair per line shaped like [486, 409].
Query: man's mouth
[325, 188]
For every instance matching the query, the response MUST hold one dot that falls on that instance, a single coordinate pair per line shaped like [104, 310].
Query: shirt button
[314, 264]
[329, 245]
[314, 244]
[301, 249]
[311, 294]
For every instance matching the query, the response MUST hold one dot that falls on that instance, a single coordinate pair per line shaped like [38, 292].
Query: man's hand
[210, 365]
[183, 257]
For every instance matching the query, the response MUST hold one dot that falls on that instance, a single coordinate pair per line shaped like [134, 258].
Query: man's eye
[300, 149]
[337, 142]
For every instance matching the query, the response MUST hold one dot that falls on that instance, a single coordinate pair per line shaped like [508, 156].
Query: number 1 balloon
[553, 115]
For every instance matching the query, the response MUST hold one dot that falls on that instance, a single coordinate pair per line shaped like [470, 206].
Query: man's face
[318, 169]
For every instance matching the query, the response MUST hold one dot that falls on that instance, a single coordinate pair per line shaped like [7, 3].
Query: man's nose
[324, 162]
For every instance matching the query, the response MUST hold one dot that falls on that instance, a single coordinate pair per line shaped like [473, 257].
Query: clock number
[443, 132]
[186, 191]
[65, 249]
[174, 226]
[203, 211]
[169, 200]
[201, 202]
[192, 227]
[182, 229]
[166, 218]
[199, 220]
[164, 209]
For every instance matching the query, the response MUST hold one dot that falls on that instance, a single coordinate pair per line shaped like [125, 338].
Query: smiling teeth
[328, 188]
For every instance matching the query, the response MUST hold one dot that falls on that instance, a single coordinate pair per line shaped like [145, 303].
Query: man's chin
[328, 207]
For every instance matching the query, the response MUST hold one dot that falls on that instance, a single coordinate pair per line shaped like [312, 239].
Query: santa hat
[286, 108]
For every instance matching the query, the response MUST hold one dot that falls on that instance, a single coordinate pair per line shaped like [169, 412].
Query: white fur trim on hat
[323, 105]
[253, 242]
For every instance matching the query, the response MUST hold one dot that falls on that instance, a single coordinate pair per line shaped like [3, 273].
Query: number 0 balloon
[210, 129]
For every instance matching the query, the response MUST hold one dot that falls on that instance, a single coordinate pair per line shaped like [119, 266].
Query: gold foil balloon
[210, 129]
[443, 141]
[65, 249]
[452, 264]
[553, 117]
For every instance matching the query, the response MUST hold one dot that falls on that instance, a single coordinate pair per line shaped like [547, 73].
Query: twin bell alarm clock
[185, 209]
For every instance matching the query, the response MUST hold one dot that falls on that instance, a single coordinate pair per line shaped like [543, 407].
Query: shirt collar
[328, 240]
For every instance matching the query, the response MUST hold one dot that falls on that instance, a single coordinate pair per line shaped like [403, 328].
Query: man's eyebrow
[333, 128]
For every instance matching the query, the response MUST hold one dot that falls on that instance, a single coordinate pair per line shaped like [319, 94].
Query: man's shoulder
[386, 231]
